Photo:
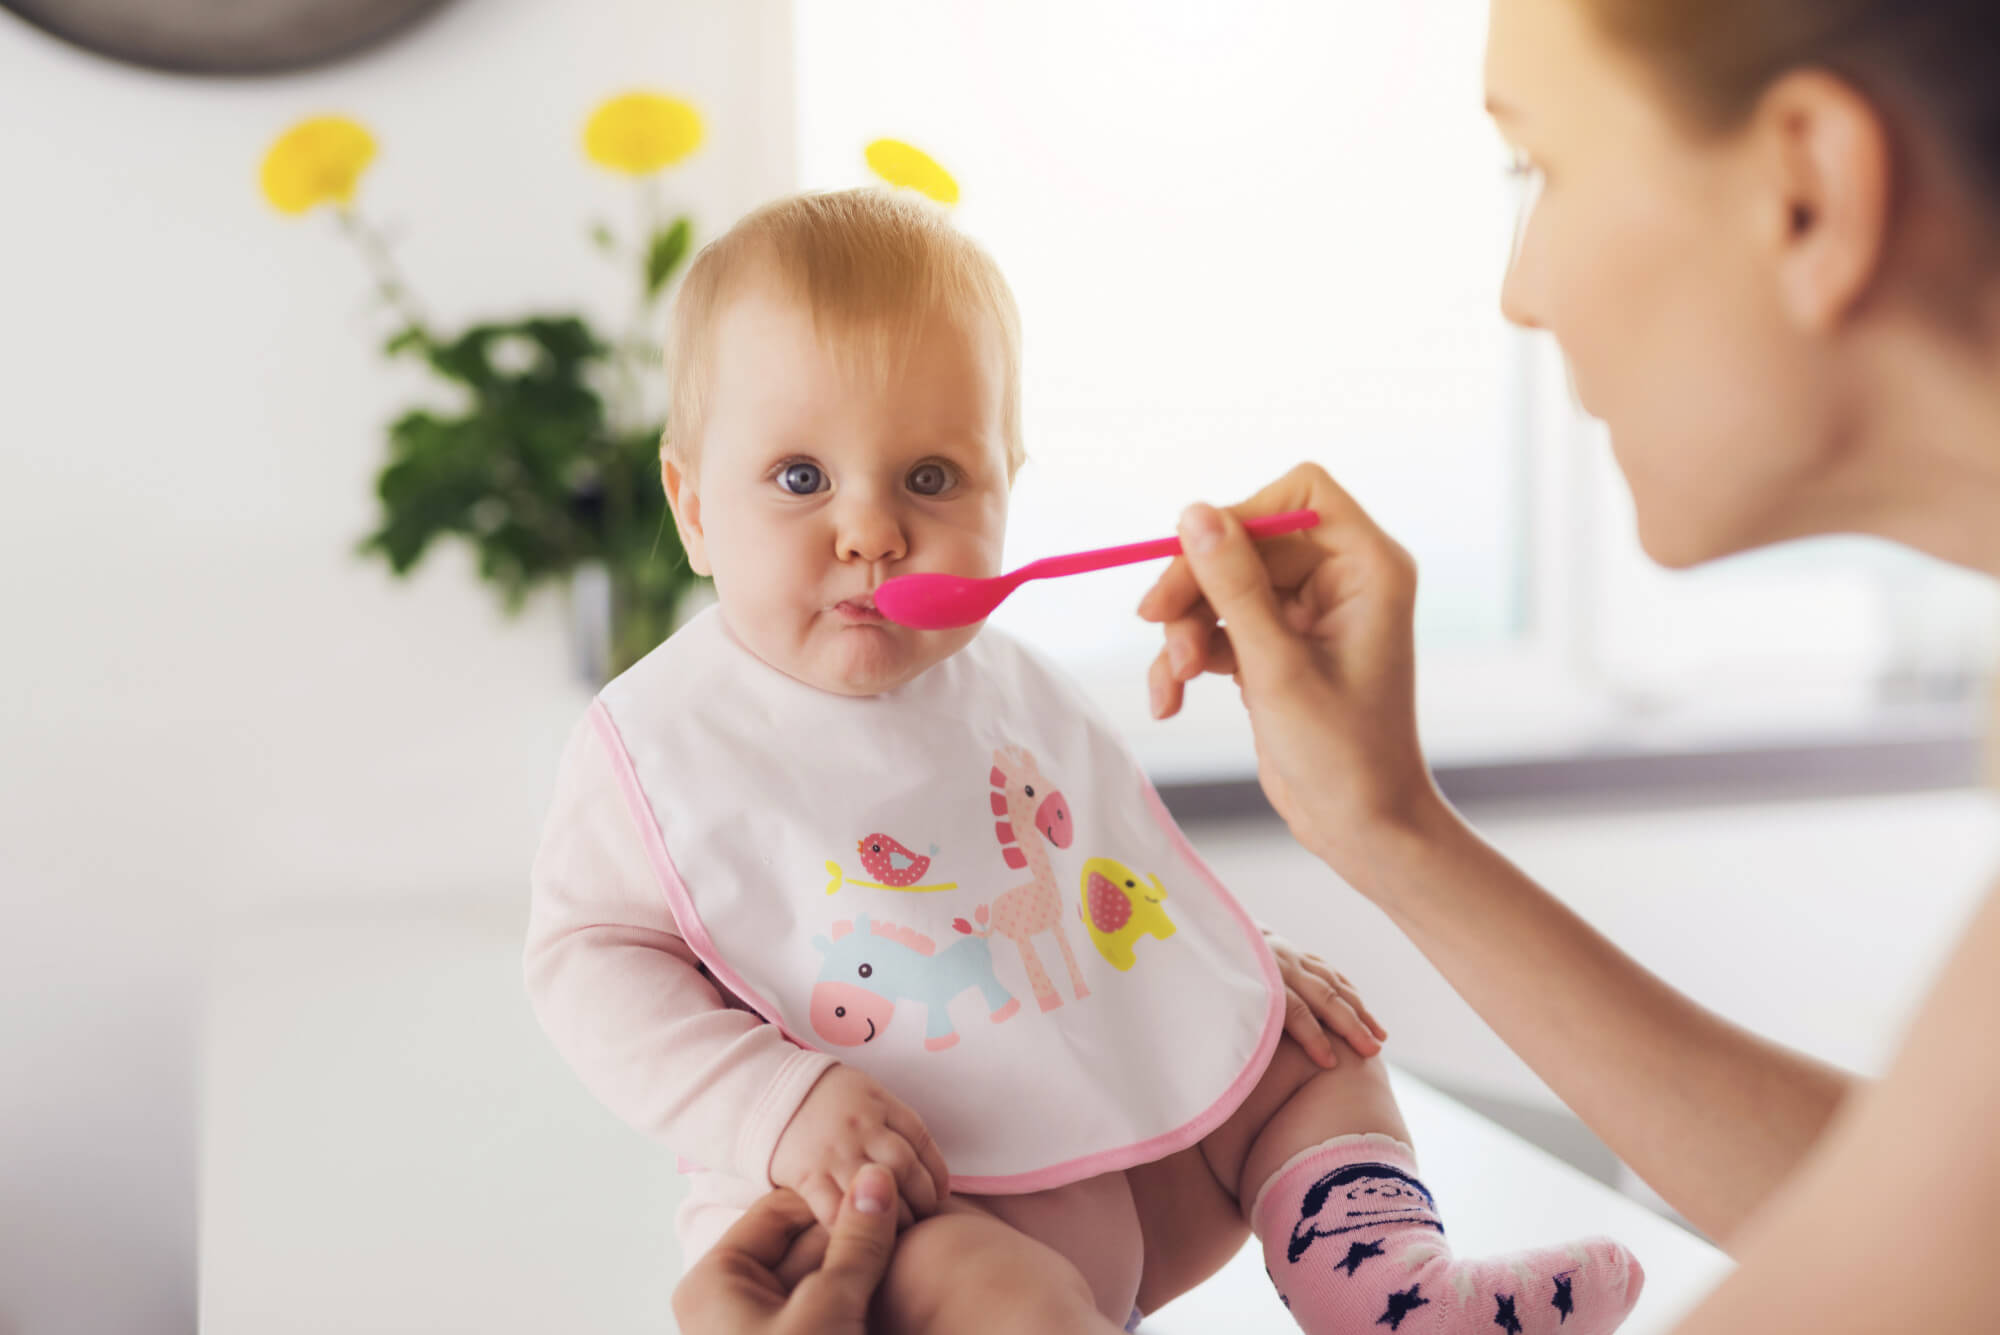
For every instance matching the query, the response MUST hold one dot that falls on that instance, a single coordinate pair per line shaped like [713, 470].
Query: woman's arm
[1893, 1223]
[1317, 631]
[1712, 1116]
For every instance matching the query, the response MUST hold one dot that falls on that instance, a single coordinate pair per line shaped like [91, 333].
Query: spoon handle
[1103, 558]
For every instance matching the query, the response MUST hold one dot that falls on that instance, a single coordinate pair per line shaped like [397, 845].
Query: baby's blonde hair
[872, 266]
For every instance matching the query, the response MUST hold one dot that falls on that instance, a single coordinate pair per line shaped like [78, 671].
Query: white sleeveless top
[965, 887]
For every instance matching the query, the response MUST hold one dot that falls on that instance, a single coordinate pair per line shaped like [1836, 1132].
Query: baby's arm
[622, 996]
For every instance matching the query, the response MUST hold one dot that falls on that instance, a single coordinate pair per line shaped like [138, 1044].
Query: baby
[846, 383]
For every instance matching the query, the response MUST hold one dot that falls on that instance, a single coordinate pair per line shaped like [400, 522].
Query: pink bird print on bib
[889, 862]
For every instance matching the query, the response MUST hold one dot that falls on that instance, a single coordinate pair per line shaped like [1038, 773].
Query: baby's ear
[685, 501]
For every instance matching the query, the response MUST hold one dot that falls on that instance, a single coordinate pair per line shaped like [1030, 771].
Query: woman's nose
[1516, 305]
[1518, 298]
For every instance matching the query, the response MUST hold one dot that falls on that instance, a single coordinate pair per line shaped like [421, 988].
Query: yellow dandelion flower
[639, 133]
[317, 161]
[899, 164]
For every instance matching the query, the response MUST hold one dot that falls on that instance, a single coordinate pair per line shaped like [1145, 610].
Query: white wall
[204, 698]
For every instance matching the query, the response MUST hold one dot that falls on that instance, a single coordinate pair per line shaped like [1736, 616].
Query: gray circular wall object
[222, 36]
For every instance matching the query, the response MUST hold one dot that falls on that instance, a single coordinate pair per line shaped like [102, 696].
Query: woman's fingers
[863, 1237]
[1290, 558]
[1235, 582]
[1188, 641]
[807, 1252]
[768, 1229]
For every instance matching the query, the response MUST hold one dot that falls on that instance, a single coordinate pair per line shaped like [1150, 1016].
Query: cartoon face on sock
[1357, 1197]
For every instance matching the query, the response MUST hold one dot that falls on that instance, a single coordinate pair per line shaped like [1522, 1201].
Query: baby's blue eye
[930, 479]
[801, 479]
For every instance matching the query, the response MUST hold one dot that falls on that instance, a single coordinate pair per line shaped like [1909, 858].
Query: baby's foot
[1353, 1243]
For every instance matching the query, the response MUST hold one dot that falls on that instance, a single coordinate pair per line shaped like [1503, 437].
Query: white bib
[965, 887]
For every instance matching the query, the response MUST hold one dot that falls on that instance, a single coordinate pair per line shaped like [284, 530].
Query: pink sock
[1353, 1242]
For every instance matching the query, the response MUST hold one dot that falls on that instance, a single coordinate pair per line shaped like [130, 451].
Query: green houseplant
[547, 464]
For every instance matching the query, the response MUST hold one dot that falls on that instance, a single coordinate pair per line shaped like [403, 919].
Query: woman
[1768, 241]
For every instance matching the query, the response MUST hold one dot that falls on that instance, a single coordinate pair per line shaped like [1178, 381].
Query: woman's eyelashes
[802, 477]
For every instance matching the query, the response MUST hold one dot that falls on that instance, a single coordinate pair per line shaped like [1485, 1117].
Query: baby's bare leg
[1298, 1104]
[1190, 1224]
[964, 1270]
[1193, 1206]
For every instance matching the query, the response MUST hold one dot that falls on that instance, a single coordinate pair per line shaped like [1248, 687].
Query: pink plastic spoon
[939, 602]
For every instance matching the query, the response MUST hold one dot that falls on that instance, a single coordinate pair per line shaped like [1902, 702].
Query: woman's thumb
[1225, 563]
[862, 1239]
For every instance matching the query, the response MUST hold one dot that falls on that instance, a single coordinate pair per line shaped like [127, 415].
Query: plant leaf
[669, 248]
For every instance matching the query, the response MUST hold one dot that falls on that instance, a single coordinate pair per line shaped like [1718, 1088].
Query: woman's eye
[930, 479]
[801, 479]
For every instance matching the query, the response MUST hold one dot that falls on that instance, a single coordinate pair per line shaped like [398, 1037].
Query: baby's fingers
[905, 1123]
[823, 1192]
[1348, 993]
[1334, 1011]
[913, 1180]
[1304, 1027]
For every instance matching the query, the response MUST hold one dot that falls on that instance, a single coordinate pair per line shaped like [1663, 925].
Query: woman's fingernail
[1158, 694]
[872, 1192]
[1200, 528]
[1179, 655]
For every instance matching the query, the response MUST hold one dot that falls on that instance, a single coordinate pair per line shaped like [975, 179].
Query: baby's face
[819, 478]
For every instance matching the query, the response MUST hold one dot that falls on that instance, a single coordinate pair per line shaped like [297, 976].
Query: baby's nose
[870, 535]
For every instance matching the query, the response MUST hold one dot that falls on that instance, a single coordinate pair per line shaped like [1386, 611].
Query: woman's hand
[1317, 630]
[776, 1272]
[1318, 1002]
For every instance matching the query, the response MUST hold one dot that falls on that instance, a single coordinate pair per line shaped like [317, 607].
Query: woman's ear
[685, 502]
[1834, 168]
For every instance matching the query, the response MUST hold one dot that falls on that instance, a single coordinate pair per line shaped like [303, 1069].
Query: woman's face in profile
[1652, 254]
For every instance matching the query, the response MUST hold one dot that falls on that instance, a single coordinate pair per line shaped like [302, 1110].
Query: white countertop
[391, 1145]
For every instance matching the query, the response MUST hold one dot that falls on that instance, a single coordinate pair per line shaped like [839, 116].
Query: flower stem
[375, 255]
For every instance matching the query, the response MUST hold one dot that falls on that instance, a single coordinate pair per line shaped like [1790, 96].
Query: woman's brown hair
[1935, 60]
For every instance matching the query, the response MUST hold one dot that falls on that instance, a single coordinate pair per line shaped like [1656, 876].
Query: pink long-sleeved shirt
[625, 1000]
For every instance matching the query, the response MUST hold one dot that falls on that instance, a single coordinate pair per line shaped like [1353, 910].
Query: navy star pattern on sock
[1563, 1302]
[1401, 1305]
[1505, 1318]
[1356, 1254]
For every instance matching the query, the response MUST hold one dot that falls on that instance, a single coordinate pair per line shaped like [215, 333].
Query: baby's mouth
[859, 609]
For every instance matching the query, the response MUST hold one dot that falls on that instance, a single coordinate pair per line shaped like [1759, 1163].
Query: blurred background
[268, 808]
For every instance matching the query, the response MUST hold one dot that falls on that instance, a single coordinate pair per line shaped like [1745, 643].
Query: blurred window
[1245, 235]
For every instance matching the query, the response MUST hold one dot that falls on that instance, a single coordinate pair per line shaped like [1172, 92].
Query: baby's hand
[848, 1120]
[1318, 999]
